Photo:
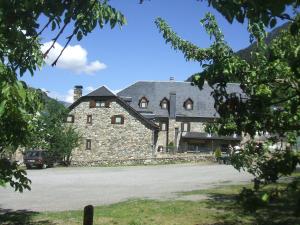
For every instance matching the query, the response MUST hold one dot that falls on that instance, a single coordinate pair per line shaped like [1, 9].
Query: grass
[221, 208]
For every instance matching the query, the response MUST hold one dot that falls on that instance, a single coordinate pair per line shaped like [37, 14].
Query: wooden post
[88, 215]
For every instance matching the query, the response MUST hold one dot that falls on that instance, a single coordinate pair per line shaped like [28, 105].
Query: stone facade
[174, 131]
[131, 140]
[147, 130]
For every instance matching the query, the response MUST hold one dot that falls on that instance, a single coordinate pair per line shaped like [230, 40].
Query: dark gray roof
[155, 91]
[102, 91]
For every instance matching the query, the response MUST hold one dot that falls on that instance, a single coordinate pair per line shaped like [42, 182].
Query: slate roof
[155, 91]
[102, 91]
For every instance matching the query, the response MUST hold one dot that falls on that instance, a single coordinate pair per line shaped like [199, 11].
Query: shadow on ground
[20, 217]
[284, 210]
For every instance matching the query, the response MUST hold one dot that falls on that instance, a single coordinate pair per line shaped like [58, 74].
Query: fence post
[88, 215]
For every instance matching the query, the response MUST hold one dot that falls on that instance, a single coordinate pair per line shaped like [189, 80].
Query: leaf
[265, 197]
[53, 25]
[273, 22]
[2, 107]
[79, 35]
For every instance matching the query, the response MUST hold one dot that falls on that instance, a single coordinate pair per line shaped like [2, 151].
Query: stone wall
[162, 135]
[197, 126]
[131, 140]
[157, 160]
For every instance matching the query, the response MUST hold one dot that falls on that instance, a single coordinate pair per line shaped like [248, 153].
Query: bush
[218, 153]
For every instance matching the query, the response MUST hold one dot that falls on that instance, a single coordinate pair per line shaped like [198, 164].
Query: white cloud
[73, 58]
[67, 97]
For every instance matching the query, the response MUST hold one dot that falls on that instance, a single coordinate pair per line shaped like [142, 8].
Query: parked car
[38, 158]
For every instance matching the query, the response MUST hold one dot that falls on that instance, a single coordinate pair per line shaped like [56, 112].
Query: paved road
[58, 189]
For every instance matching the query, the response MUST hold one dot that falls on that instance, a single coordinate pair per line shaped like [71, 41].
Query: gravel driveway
[57, 189]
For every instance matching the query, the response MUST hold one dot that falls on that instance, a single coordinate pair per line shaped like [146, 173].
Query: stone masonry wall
[162, 135]
[131, 140]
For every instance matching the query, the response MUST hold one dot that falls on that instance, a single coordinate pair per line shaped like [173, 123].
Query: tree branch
[69, 39]
[55, 39]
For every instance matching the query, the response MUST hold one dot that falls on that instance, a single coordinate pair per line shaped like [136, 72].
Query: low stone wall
[157, 160]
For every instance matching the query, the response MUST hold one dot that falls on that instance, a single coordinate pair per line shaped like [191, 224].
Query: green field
[218, 206]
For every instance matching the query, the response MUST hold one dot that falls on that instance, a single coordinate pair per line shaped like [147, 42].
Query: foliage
[265, 164]
[255, 11]
[11, 169]
[171, 144]
[53, 134]
[64, 141]
[269, 98]
[218, 153]
[20, 31]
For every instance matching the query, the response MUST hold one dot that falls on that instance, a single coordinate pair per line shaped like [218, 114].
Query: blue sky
[117, 58]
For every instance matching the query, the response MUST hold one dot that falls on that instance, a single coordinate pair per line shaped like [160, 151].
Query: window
[188, 104]
[89, 119]
[143, 102]
[185, 127]
[117, 119]
[163, 126]
[88, 144]
[70, 119]
[164, 103]
[99, 104]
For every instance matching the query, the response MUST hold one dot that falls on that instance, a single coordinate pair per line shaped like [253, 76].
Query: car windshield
[33, 154]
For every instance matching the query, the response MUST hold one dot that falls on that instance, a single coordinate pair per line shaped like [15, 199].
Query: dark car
[38, 158]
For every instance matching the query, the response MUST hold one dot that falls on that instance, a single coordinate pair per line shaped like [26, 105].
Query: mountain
[47, 98]
[245, 53]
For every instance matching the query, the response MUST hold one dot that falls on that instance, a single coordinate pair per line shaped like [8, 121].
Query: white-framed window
[117, 119]
[188, 104]
[185, 127]
[143, 102]
[70, 119]
[100, 104]
[164, 103]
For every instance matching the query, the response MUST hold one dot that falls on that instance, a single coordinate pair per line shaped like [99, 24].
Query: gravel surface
[58, 189]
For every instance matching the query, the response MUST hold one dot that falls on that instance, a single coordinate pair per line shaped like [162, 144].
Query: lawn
[219, 208]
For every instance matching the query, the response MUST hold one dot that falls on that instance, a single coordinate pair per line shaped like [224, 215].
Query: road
[57, 189]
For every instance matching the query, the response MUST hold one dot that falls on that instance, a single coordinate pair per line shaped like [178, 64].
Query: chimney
[172, 105]
[171, 78]
[77, 92]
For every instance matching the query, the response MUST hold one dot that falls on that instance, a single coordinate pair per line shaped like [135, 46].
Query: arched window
[164, 103]
[188, 104]
[143, 102]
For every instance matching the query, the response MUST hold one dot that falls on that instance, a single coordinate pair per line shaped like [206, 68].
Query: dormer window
[143, 102]
[164, 104]
[188, 104]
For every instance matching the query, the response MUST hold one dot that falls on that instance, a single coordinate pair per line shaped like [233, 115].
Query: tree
[53, 134]
[270, 102]
[20, 31]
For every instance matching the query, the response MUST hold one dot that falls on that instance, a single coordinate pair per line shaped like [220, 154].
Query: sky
[137, 51]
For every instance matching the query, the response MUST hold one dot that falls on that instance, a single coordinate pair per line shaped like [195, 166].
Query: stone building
[146, 119]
